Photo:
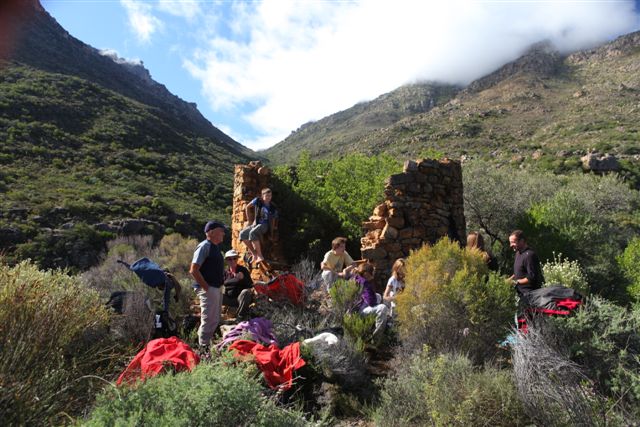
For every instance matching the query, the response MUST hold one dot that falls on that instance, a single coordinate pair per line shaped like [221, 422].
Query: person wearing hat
[207, 268]
[237, 290]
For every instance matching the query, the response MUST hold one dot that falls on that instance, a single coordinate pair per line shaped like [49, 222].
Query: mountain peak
[541, 59]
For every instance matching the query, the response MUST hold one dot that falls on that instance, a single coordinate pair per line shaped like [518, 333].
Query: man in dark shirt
[207, 268]
[237, 291]
[527, 274]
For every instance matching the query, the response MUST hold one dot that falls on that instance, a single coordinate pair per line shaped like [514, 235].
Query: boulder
[594, 162]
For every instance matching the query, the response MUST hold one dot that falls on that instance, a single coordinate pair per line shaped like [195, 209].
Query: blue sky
[258, 70]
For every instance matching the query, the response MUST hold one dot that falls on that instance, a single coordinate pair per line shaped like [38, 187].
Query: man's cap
[231, 254]
[211, 225]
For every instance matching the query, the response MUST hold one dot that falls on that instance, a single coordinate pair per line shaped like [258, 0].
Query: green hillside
[556, 107]
[85, 140]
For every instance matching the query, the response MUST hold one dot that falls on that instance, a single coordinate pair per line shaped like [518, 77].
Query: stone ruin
[248, 181]
[422, 204]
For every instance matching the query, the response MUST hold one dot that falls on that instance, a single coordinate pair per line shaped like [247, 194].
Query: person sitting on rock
[237, 290]
[369, 299]
[265, 216]
[395, 284]
[337, 263]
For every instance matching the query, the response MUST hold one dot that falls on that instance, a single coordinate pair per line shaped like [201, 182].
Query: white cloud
[187, 9]
[141, 19]
[283, 63]
[113, 54]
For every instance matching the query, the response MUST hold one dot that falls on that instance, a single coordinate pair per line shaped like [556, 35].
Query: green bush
[565, 272]
[358, 328]
[451, 303]
[321, 199]
[445, 390]
[76, 249]
[345, 295]
[629, 262]
[53, 344]
[211, 394]
[604, 339]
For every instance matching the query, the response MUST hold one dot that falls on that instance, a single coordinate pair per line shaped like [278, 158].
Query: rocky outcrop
[422, 204]
[600, 163]
[132, 226]
[542, 59]
[623, 45]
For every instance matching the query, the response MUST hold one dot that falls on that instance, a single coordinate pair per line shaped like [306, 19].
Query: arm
[238, 277]
[324, 265]
[195, 273]
[387, 293]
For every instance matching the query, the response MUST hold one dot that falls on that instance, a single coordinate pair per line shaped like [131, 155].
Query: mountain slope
[85, 140]
[556, 107]
[337, 133]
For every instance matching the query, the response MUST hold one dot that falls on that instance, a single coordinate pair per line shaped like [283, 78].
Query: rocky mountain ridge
[543, 102]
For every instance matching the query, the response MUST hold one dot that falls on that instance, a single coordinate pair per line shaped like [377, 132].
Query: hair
[475, 240]
[265, 190]
[518, 234]
[338, 241]
[398, 269]
[365, 267]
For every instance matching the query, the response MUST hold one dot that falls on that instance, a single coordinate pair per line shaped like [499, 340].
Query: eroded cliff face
[422, 205]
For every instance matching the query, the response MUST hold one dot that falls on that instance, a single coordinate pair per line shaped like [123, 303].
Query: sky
[258, 70]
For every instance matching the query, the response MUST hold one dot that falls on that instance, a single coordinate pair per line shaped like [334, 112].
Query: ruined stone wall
[422, 204]
[248, 181]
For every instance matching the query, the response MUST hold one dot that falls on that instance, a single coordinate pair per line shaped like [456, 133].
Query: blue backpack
[148, 271]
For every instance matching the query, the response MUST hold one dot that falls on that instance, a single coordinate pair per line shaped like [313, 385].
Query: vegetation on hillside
[74, 154]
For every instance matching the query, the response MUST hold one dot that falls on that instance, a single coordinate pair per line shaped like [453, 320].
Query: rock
[410, 166]
[400, 178]
[380, 210]
[593, 162]
[389, 233]
[536, 155]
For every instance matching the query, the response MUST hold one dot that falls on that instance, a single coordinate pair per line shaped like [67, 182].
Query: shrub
[629, 262]
[345, 295]
[603, 339]
[358, 328]
[589, 220]
[416, 394]
[565, 272]
[211, 394]
[553, 389]
[173, 252]
[451, 303]
[494, 200]
[53, 332]
[77, 248]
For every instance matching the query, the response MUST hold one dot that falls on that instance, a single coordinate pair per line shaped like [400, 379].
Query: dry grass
[554, 389]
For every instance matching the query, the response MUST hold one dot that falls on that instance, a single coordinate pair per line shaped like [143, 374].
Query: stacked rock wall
[248, 181]
[422, 204]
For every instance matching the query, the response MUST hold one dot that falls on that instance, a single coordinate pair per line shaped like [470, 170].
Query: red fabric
[276, 365]
[569, 304]
[286, 286]
[157, 355]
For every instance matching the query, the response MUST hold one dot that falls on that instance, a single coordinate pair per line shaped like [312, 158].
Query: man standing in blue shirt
[207, 268]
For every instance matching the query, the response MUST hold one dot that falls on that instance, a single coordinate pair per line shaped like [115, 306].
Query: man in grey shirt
[207, 268]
